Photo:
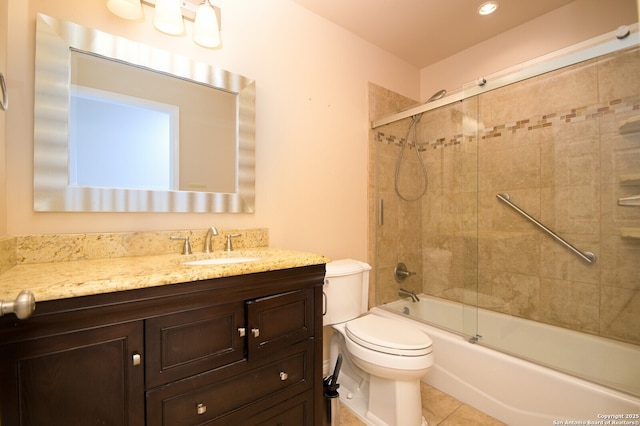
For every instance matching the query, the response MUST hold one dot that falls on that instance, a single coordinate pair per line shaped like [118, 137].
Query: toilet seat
[388, 336]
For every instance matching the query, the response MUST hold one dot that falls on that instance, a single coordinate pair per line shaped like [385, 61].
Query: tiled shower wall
[386, 241]
[553, 144]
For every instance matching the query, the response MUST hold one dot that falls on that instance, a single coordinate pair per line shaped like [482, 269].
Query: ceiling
[426, 31]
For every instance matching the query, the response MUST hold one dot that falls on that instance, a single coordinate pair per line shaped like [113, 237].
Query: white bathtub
[519, 392]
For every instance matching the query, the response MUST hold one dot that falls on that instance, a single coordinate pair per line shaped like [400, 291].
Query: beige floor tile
[438, 408]
[466, 415]
[347, 418]
[436, 405]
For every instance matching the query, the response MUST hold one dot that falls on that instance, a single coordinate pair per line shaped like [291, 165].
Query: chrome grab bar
[629, 201]
[587, 256]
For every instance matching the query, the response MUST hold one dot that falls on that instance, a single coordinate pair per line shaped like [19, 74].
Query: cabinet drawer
[183, 344]
[278, 321]
[293, 412]
[264, 385]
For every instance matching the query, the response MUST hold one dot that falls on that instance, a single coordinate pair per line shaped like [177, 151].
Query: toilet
[383, 359]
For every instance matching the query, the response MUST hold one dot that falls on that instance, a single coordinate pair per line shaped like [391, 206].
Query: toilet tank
[346, 290]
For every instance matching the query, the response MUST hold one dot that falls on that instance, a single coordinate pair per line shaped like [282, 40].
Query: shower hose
[414, 124]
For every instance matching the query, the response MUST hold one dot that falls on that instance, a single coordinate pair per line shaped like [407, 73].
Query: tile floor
[439, 409]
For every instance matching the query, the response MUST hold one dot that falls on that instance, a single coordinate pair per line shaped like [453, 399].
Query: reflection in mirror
[91, 153]
[112, 132]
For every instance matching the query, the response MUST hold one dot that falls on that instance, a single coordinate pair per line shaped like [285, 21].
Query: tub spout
[407, 293]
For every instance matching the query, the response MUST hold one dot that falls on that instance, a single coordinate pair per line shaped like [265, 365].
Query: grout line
[449, 415]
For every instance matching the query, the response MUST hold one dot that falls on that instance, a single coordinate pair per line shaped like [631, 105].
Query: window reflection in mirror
[119, 141]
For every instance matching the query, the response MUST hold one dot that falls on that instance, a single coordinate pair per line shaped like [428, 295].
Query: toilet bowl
[385, 359]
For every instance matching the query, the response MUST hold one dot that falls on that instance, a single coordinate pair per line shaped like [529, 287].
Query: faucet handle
[229, 244]
[401, 272]
[186, 249]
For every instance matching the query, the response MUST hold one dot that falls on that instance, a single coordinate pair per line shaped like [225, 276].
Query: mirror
[203, 159]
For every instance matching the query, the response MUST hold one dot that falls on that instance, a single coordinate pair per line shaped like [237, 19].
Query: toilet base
[357, 402]
[395, 402]
[379, 396]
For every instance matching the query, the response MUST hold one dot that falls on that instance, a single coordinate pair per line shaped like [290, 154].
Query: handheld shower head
[436, 96]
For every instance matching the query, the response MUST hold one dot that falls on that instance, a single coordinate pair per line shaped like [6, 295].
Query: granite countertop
[60, 280]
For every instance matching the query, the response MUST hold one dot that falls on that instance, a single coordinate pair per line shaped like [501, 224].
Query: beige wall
[312, 121]
[568, 25]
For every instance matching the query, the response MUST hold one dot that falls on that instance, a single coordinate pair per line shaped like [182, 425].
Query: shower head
[438, 95]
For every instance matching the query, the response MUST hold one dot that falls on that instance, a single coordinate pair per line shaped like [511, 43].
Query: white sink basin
[221, 261]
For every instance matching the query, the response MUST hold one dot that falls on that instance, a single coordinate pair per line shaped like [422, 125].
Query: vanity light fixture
[169, 16]
[488, 8]
[127, 9]
[205, 27]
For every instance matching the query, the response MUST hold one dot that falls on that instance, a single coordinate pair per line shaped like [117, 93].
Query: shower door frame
[589, 49]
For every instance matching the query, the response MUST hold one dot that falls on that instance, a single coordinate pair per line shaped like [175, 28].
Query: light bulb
[205, 28]
[168, 17]
[127, 9]
[488, 8]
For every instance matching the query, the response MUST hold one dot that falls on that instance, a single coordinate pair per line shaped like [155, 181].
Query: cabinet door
[92, 377]
[277, 321]
[187, 343]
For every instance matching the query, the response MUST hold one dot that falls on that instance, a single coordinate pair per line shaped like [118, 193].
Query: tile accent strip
[577, 114]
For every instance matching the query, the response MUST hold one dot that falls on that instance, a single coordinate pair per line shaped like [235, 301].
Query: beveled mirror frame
[54, 40]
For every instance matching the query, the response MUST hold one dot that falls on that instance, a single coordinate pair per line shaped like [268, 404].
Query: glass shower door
[554, 146]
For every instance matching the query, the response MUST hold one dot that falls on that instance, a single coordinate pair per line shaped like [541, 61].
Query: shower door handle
[4, 102]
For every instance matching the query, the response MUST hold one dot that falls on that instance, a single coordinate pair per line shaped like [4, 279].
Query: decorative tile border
[573, 115]
[434, 144]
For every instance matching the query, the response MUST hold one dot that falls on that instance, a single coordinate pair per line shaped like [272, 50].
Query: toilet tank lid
[340, 267]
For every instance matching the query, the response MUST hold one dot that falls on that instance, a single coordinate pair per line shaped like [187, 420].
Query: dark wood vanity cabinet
[244, 350]
[86, 377]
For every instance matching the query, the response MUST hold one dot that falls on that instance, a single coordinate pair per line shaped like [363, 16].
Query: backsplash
[7, 253]
[70, 247]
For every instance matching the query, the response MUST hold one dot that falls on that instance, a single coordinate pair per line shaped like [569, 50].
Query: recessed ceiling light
[488, 7]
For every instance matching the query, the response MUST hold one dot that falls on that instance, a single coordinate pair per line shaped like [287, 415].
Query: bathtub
[520, 392]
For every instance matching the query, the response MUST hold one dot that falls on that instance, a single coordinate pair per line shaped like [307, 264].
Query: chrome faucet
[407, 293]
[212, 232]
